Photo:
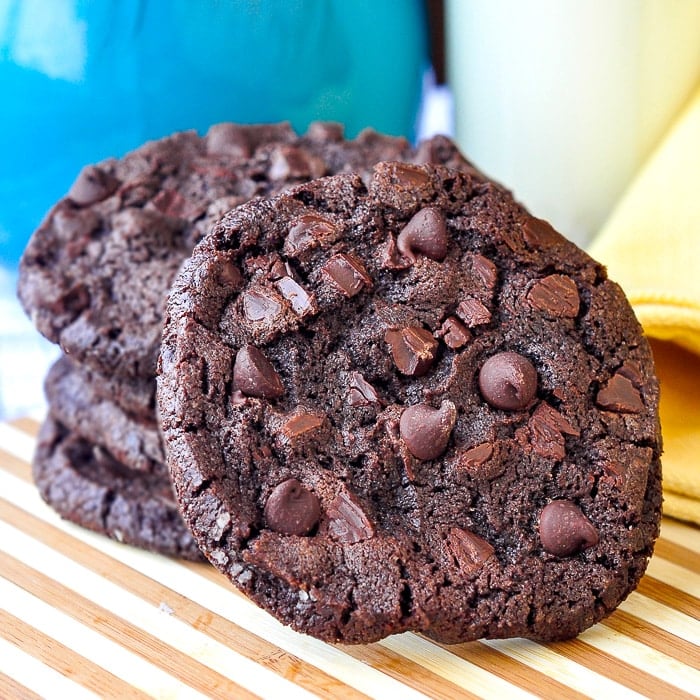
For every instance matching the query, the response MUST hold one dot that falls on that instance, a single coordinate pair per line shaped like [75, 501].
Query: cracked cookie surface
[407, 404]
[95, 274]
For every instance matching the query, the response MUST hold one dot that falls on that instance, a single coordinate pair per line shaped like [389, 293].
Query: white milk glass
[562, 100]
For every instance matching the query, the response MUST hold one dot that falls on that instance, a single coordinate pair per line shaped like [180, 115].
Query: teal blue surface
[84, 80]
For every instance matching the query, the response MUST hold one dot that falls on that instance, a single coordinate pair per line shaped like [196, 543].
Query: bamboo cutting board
[82, 616]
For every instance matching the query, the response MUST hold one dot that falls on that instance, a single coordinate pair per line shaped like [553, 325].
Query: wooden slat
[10, 688]
[185, 621]
[678, 554]
[175, 663]
[532, 680]
[34, 678]
[64, 660]
[27, 425]
[654, 637]
[685, 534]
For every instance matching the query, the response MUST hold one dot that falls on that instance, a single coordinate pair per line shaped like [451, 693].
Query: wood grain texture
[88, 617]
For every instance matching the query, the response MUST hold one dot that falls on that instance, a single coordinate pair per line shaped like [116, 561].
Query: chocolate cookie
[76, 402]
[95, 274]
[87, 486]
[411, 406]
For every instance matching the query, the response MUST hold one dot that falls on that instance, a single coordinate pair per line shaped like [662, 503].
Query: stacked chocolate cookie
[95, 277]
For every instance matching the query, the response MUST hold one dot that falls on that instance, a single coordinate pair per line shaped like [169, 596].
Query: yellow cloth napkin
[651, 247]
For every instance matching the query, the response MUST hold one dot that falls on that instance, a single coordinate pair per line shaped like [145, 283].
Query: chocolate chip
[254, 375]
[426, 430]
[229, 139]
[539, 233]
[347, 273]
[485, 270]
[547, 429]
[409, 176]
[556, 295]
[473, 312]
[288, 162]
[306, 233]
[260, 305]
[508, 381]
[300, 423]
[473, 459]
[280, 269]
[347, 521]
[361, 393]
[469, 550]
[565, 530]
[425, 233]
[454, 333]
[632, 371]
[620, 395]
[301, 301]
[391, 259]
[325, 131]
[413, 349]
[92, 185]
[292, 509]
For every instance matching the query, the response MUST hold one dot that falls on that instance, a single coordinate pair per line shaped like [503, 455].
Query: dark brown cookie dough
[75, 400]
[87, 486]
[409, 405]
[95, 274]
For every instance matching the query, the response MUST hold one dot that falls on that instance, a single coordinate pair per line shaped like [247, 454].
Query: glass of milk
[562, 100]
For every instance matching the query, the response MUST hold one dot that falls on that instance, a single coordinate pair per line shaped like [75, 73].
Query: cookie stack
[389, 398]
[94, 279]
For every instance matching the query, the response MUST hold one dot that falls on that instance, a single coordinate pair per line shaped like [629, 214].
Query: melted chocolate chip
[361, 393]
[347, 273]
[620, 395]
[301, 301]
[485, 270]
[306, 232]
[409, 176]
[300, 423]
[347, 521]
[539, 233]
[508, 381]
[425, 233]
[565, 530]
[426, 430]
[254, 375]
[413, 349]
[556, 296]
[473, 312]
[391, 259]
[547, 429]
[473, 459]
[454, 333]
[469, 550]
[92, 185]
[292, 509]
[260, 305]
